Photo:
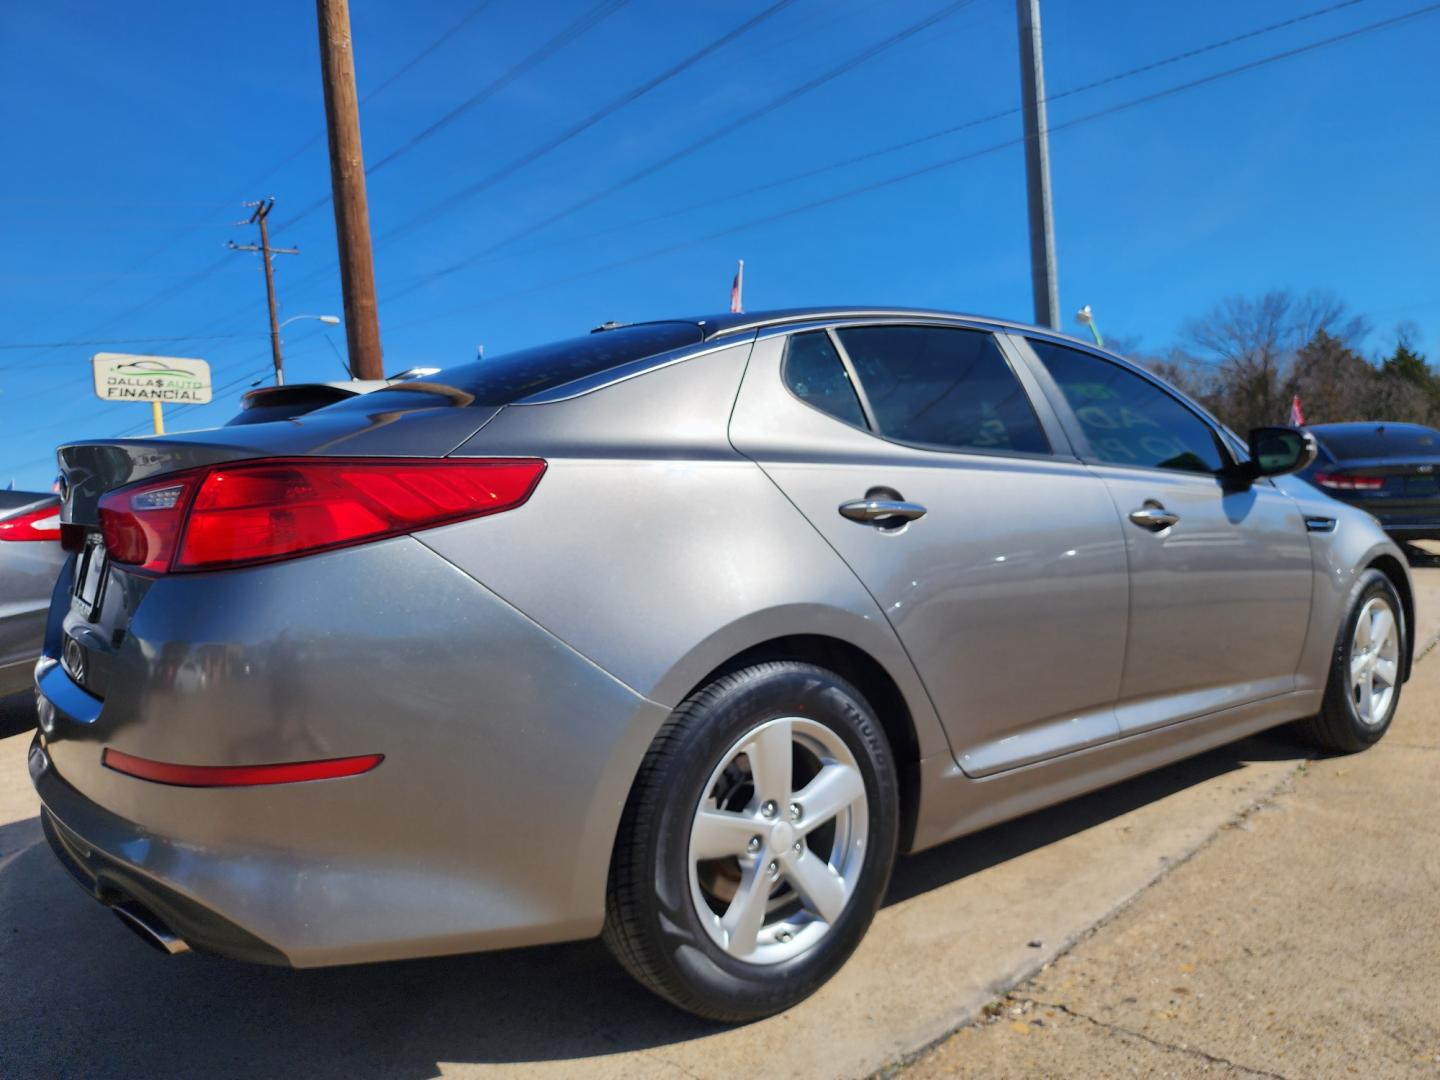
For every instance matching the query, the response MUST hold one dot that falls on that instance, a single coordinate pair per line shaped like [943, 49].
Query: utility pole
[347, 185]
[1044, 282]
[262, 212]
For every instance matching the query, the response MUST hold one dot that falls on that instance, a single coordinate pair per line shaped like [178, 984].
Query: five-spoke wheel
[757, 842]
[778, 840]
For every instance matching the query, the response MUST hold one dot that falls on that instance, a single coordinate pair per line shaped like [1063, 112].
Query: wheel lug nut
[754, 845]
[782, 935]
[798, 848]
[795, 811]
[773, 868]
[767, 808]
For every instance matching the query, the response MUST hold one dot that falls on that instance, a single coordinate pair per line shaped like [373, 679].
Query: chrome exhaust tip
[149, 928]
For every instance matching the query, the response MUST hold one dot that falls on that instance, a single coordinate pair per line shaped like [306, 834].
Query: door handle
[1153, 516]
[881, 511]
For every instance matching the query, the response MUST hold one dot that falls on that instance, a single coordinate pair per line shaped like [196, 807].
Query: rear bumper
[489, 824]
[114, 882]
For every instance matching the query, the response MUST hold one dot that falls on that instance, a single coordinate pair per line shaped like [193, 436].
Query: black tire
[1338, 727]
[652, 925]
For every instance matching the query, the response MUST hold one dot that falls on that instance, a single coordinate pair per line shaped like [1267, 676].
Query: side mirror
[1275, 451]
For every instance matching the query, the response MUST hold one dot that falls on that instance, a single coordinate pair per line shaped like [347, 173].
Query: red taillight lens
[142, 523]
[260, 511]
[1349, 482]
[42, 524]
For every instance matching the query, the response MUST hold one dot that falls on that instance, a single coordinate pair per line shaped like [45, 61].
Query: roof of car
[730, 322]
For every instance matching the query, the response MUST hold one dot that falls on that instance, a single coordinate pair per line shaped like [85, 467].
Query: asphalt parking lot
[1074, 925]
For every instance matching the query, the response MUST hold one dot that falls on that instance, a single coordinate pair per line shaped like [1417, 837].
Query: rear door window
[1127, 419]
[943, 388]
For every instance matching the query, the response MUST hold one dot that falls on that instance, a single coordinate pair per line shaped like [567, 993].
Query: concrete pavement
[964, 924]
[1303, 942]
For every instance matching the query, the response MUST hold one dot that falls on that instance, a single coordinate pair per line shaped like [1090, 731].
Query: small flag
[737, 288]
[1297, 417]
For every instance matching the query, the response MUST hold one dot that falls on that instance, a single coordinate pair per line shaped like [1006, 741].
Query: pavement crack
[1161, 1044]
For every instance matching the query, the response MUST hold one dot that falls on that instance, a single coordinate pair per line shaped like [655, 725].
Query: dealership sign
[180, 381]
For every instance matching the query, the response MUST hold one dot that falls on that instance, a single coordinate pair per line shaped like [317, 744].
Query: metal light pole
[1044, 281]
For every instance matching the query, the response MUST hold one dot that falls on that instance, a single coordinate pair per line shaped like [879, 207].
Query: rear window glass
[508, 377]
[1377, 442]
[813, 371]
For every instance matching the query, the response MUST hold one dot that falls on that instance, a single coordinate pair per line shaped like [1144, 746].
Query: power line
[591, 18]
[574, 30]
[385, 84]
[195, 278]
[829, 75]
[891, 148]
[919, 140]
[957, 160]
[580, 126]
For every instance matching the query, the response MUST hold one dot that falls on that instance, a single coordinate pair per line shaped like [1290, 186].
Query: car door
[1220, 573]
[917, 452]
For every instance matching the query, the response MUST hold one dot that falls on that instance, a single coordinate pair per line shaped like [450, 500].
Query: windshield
[506, 378]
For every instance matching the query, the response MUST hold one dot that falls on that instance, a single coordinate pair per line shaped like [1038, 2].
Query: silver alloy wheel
[1374, 661]
[772, 864]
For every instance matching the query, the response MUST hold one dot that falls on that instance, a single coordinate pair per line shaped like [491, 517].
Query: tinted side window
[814, 373]
[945, 388]
[1128, 419]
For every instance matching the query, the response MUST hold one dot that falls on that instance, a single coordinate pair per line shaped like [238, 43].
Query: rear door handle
[1153, 516]
[881, 511]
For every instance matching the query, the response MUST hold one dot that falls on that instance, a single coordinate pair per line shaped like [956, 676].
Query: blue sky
[132, 133]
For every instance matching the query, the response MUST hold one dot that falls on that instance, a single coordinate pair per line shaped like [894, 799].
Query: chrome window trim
[1055, 453]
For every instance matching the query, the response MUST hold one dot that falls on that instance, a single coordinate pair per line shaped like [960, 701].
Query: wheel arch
[1393, 569]
[872, 679]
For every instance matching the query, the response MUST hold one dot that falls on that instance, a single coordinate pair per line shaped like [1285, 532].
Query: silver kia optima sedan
[678, 633]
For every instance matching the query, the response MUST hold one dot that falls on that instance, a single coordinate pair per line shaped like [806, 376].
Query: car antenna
[611, 325]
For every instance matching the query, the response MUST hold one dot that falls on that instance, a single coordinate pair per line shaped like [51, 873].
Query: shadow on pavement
[80, 996]
[1420, 558]
[17, 714]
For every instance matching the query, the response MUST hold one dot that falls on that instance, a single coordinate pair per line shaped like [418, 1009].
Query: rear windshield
[1378, 442]
[506, 378]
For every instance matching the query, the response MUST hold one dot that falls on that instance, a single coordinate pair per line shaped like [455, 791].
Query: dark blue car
[1389, 470]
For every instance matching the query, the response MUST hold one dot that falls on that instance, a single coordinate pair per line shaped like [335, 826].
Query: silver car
[677, 633]
[30, 561]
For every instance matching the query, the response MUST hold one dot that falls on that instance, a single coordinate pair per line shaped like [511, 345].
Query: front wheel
[757, 842]
[1363, 691]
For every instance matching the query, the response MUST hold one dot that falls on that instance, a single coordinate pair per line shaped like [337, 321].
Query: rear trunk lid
[1407, 480]
[401, 423]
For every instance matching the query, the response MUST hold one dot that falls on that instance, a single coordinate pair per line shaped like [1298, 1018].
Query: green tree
[1407, 382]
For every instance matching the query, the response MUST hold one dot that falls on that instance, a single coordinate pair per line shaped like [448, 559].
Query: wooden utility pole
[1044, 281]
[347, 185]
[262, 211]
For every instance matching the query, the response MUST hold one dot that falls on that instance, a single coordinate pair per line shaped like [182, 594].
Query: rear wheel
[757, 843]
[1364, 687]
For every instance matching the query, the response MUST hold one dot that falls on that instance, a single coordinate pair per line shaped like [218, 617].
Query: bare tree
[1256, 347]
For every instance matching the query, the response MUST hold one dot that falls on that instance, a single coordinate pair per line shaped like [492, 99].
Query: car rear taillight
[42, 524]
[1349, 482]
[261, 511]
[141, 523]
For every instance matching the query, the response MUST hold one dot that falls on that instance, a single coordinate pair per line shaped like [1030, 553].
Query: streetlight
[1086, 317]
[328, 320]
